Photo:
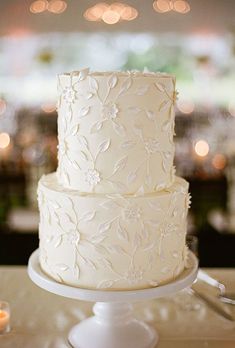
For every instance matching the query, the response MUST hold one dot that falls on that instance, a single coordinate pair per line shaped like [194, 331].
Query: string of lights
[53, 6]
[110, 13]
[163, 6]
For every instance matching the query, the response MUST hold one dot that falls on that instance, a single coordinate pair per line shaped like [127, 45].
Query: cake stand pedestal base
[113, 325]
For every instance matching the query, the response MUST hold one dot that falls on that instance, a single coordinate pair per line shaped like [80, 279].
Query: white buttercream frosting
[118, 126]
[113, 216]
[112, 241]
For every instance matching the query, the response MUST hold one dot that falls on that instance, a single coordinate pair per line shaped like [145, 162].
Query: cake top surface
[132, 73]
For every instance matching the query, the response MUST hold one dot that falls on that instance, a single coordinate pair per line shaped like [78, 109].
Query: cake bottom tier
[112, 242]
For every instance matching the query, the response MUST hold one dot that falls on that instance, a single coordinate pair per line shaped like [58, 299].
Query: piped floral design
[107, 100]
[151, 145]
[188, 201]
[69, 94]
[109, 111]
[92, 177]
[73, 237]
[134, 275]
[132, 213]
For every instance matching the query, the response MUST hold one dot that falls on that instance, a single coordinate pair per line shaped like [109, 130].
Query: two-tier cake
[113, 216]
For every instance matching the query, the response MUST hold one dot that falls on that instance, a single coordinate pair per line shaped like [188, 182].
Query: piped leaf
[83, 74]
[104, 146]
[112, 81]
[93, 84]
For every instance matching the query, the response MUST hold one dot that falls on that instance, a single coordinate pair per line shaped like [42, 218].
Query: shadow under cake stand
[113, 325]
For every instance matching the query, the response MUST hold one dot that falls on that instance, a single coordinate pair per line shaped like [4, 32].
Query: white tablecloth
[42, 320]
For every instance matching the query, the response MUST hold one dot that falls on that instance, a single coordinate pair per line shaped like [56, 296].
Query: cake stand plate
[113, 325]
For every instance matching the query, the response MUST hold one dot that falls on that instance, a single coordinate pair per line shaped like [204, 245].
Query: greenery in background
[163, 59]
[43, 56]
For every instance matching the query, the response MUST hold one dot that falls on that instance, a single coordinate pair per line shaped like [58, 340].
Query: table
[42, 320]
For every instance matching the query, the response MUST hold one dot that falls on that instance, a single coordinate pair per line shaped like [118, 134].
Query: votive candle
[4, 317]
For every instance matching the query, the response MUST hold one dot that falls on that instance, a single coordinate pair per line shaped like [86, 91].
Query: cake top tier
[115, 131]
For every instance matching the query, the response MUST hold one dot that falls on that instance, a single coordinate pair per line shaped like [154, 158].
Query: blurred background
[195, 40]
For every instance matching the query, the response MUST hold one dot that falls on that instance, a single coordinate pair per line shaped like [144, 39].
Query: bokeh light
[88, 15]
[57, 6]
[186, 106]
[161, 6]
[129, 13]
[180, 6]
[39, 6]
[110, 14]
[187, 9]
[219, 161]
[202, 148]
[118, 7]
[4, 140]
[98, 10]
[48, 108]
[111, 17]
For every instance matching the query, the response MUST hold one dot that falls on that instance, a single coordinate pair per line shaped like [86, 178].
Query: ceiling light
[57, 6]
[111, 17]
[39, 6]
[180, 6]
[110, 14]
[129, 13]
[161, 6]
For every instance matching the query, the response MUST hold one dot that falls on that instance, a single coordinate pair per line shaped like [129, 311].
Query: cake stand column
[113, 325]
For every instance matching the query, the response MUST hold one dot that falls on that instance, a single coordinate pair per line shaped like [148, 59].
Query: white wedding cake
[114, 214]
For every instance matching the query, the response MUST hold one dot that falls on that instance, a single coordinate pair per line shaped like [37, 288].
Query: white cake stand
[113, 325]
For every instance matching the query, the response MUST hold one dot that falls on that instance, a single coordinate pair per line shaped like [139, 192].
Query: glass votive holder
[4, 317]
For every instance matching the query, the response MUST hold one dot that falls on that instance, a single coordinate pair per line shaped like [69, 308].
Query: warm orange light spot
[96, 12]
[188, 8]
[118, 7]
[3, 314]
[219, 161]
[185, 106]
[202, 148]
[111, 17]
[161, 6]
[110, 14]
[4, 140]
[129, 13]
[180, 6]
[57, 6]
[39, 6]
[89, 16]
[48, 107]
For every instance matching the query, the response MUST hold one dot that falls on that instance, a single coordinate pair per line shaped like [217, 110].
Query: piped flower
[110, 111]
[73, 237]
[151, 145]
[92, 177]
[132, 213]
[134, 275]
[188, 200]
[69, 95]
